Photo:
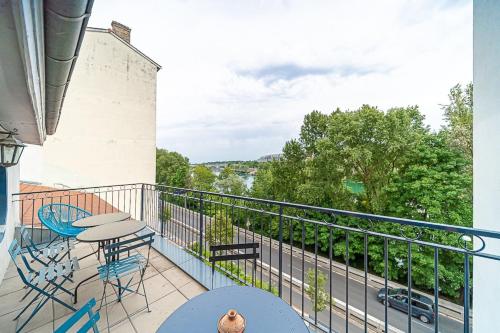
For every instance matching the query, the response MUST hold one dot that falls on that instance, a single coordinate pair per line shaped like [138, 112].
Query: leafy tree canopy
[202, 178]
[171, 168]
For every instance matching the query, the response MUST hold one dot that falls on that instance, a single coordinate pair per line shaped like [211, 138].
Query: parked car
[422, 306]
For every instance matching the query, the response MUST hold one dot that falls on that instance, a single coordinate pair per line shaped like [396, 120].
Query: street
[185, 227]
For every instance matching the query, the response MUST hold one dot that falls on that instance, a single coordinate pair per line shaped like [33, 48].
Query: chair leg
[106, 304]
[144, 289]
[37, 308]
[103, 294]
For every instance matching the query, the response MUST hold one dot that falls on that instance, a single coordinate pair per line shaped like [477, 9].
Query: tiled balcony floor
[167, 288]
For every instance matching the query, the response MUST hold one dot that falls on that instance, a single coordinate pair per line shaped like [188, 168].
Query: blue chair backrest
[91, 323]
[16, 251]
[58, 217]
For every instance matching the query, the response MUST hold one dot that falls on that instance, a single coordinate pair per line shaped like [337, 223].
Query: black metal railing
[328, 264]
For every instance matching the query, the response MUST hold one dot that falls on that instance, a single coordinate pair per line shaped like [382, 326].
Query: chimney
[121, 31]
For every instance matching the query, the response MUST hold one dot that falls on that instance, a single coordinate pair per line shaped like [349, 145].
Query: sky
[239, 76]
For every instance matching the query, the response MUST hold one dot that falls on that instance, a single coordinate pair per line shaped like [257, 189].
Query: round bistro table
[110, 232]
[263, 312]
[97, 220]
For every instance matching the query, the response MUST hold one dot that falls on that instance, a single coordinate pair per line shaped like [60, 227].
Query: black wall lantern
[10, 149]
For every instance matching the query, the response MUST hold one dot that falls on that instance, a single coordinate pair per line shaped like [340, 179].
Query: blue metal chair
[59, 218]
[116, 268]
[50, 254]
[91, 324]
[45, 254]
[46, 281]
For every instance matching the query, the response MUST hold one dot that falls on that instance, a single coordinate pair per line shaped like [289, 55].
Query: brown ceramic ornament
[231, 322]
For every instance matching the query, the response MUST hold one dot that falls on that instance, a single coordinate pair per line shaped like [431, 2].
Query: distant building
[107, 134]
[269, 158]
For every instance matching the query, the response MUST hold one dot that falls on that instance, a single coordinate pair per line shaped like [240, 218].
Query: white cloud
[219, 99]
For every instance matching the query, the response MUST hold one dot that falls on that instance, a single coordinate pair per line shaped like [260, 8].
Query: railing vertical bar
[291, 260]
[466, 293]
[436, 289]
[200, 228]
[386, 271]
[270, 250]
[330, 276]
[315, 301]
[409, 287]
[366, 283]
[347, 282]
[246, 238]
[303, 263]
[262, 244]
[280, 252]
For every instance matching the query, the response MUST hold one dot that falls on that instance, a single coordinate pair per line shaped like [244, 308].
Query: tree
[171, 168]
[202, 178]
[435, 186]
[318, 296]
[313, 129]
[220, 228]
[403, 169]
[369, 146]
[229, 182]
[262, 186]
[458, 117]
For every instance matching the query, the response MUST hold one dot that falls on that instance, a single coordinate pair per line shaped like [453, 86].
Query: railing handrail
[73, 189]
[367, 216]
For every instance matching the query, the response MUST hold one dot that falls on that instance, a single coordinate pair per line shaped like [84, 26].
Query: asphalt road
[186, 229]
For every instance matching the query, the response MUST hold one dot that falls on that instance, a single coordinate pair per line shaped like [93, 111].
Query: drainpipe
[65, 24]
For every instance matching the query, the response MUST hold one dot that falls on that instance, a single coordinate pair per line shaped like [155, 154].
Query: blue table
[263, 312]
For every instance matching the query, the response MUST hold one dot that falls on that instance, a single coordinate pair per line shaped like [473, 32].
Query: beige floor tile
[116, 315]
[156, 288]
[11, 302]
[192, 289]
[7, 324]
[82, 274]
[43, 317]
[87, 291]
[10, 285]
[47, 328]
[160, 310]
[177, 277]
[150, 272]
[161, 263]
[11, 271]
[123, 327]
[152, 253]
[162, 281]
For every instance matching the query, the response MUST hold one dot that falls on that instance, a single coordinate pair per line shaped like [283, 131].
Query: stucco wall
[486, 289]
[107, 131]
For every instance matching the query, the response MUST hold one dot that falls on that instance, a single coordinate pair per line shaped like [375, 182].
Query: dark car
[422, 307]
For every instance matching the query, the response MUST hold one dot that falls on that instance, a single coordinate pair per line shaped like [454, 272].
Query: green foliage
[220, 229]
[171, 168]
[234, 271]
[458, 116]
[402, 168]
[202, 178]
[167, 213]
[263, 183]
[230, 183]
[320, 297]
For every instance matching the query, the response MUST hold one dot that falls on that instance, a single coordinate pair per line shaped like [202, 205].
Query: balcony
[306, 258]
[168, 288]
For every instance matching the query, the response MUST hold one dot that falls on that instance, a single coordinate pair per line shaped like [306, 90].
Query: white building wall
[107, 131]
[12, 218]
[486, 273]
